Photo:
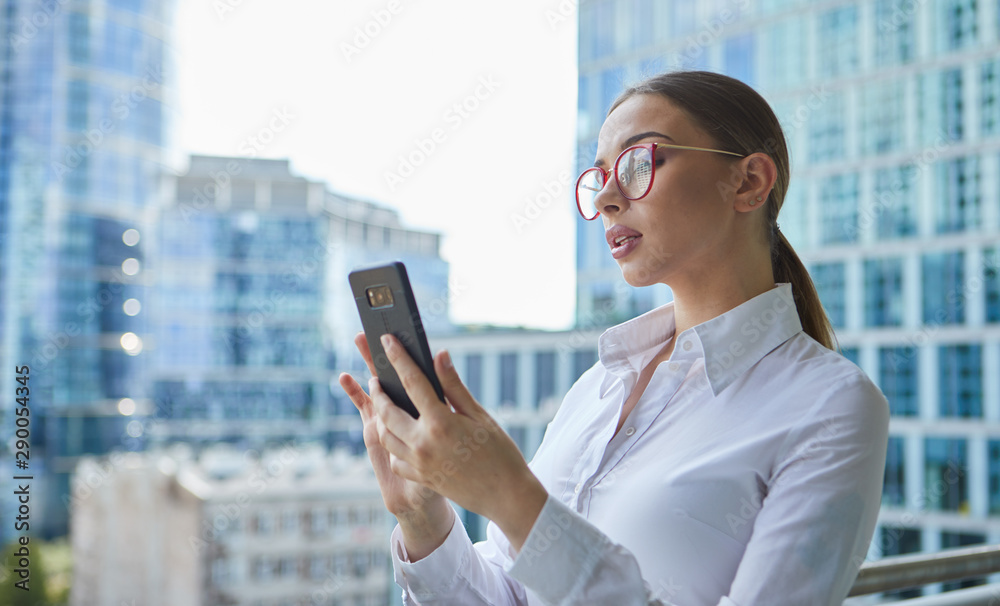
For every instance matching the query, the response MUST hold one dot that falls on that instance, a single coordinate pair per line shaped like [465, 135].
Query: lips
[621, 239]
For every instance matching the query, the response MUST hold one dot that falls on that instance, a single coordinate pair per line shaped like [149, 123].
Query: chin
[637, 276]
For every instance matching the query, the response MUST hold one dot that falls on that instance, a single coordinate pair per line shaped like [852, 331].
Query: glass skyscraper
[82, 90]
[892, 114]
[251, 309]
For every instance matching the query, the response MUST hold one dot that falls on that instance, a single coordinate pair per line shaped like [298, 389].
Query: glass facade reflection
[82, 123]
[251, 307]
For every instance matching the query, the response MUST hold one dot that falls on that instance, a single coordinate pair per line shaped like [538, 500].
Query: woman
[720, 452]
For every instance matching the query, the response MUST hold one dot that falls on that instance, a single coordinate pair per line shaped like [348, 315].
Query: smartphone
[386, 304]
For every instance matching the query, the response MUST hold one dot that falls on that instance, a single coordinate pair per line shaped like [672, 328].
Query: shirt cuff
[561, 552]
[433, 576]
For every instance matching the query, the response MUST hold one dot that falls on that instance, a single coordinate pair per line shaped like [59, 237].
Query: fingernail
[386, 342]
[446, 359]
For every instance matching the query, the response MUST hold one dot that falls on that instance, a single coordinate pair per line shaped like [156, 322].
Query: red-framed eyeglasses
[634, 171]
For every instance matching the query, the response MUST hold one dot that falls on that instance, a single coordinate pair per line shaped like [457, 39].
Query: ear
[759, 173]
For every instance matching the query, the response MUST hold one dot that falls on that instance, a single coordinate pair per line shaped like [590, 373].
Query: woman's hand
[463, 454]
[425, 517]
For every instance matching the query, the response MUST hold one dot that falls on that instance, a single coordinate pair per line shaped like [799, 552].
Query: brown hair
[741, 121]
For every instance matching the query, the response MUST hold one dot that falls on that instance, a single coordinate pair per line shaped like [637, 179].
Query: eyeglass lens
[635, 173]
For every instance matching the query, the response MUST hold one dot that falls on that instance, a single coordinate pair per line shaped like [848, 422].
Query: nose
[609, 200]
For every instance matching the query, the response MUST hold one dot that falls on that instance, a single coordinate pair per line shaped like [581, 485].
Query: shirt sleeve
[810, 535]
[458, 572]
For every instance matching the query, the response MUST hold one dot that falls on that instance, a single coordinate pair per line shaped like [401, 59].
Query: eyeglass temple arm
[717, 151]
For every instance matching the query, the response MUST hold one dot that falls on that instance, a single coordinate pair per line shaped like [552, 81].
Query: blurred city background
[185, 312]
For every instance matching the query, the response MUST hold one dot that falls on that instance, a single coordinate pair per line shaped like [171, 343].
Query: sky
[461, 116]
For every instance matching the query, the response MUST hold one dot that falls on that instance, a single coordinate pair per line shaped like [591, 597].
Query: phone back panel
[399, 317]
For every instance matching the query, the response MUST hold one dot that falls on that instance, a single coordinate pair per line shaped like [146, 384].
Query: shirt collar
[730, 344]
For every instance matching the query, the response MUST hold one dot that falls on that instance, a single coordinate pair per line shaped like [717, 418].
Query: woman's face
[683, 226]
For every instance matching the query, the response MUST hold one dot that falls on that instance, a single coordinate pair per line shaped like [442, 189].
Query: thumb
[455, 391]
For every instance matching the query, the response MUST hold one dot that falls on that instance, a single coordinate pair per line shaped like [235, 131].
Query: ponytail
[787, 267]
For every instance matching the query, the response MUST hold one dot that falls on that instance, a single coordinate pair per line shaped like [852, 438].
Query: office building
[252, 313]
[291, 525]
[892, 114]
[82, 122]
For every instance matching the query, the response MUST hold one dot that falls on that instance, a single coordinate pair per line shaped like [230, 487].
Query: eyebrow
[635, 139]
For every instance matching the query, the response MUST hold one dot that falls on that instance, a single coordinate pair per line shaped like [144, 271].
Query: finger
[412, 377]
[356, 394]
[454, 389]
[395, 419]
[403, 469]
[391, 442]
[361, 342]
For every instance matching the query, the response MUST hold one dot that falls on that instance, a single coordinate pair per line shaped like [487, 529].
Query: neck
[702, 295]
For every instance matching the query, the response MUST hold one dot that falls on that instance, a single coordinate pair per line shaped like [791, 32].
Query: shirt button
[630, 431]
[674, 367]
[687, 346]
[577, 489]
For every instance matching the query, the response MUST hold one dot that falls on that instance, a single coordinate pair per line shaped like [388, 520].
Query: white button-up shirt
[749, 472]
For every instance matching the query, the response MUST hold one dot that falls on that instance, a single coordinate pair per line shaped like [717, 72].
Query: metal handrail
[906, 571]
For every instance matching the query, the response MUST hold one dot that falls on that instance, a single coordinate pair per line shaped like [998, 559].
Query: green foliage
[10, 562]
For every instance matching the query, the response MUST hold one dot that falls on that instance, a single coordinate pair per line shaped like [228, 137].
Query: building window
[959, 194]
[508, 379]
[612, 82]
[642, 25]
[289, 521]
[77, 100]
[740, 57]
[898, 380]
[959, 23]
[220, 572]
[894, 201]
[989, 107]
[951, 103]
[265, 522]
[894, 40]
[683, 18]
[946, 485]
[883, 292]
[261, 569]
[605, 29]
[829, 281]
[991, 278]
[786, 42]
[944, 274]
[76, 176]
[318, 566]
[894, 487]
[474, 375]
[319, 521]
[838, 201]
[883, 125]
[993, 451]
[79, 38]
[837, 48]
[582, 361]
[545, 376]
[960, 370]
[588, 33]
[851, 353]
[827, 130]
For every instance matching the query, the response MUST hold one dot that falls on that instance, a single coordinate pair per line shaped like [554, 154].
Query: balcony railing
[909, 571]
